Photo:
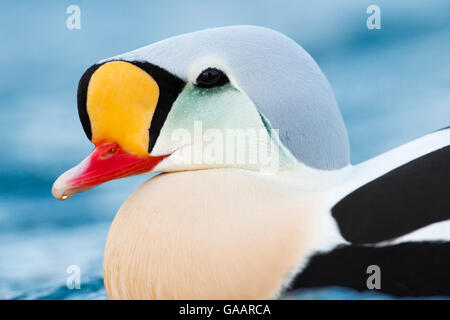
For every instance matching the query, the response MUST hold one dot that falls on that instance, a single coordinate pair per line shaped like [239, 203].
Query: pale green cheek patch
[217, 117]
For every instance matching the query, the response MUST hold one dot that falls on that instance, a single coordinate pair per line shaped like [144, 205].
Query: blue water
[392, 85]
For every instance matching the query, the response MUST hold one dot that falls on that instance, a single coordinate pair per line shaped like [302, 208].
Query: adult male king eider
[231, 229]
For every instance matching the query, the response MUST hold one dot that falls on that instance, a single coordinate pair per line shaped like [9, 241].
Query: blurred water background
[392, 86]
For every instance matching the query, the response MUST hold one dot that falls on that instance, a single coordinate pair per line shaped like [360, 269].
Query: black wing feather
[405, 199]
[412, 269]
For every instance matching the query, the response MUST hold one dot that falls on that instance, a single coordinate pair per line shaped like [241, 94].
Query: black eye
[211, 77]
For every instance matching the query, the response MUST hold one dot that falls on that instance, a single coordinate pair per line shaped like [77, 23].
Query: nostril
[108, 154]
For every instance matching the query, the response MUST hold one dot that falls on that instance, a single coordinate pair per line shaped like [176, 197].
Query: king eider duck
[218, 227]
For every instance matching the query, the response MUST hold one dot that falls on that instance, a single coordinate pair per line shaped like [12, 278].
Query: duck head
[241, 97]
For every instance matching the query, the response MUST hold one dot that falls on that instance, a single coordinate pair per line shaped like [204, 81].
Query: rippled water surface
[392, 85]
